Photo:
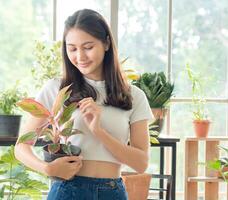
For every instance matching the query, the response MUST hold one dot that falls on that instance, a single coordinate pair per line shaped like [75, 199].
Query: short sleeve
[48, 93]
[140, 108]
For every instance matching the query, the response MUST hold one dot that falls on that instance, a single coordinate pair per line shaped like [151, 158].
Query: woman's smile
[84, 65]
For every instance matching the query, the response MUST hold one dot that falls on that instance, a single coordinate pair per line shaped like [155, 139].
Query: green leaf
[2, 189]
[62, 96]
[3, 172]
[29, 138]
[66, 149]
[223, 148]
[66, 132]
[154, 140]
[53, 148]
[214, 165]
[9, 158]
[22, 176]
[48, 134]
[69, 124]
[32, 192]
[67, 113]
[36, 184]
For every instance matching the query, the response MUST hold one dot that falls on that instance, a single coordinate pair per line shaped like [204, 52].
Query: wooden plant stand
[192, 177]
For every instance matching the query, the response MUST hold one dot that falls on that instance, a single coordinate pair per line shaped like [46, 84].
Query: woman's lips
[83, 64]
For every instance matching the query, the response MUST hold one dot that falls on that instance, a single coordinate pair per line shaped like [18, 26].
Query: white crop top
[115, 120]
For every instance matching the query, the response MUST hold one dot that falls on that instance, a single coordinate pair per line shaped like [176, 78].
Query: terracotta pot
[201, 127]
[137, 185]
[159, 115]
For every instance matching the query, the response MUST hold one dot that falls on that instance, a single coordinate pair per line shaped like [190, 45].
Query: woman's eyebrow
[89, 42]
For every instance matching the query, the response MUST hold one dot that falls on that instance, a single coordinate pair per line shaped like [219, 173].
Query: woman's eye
[72, 49]
[88, 48]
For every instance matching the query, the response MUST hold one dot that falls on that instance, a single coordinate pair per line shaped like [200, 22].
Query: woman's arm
[60, 167]
[24, 152]
[136, 155]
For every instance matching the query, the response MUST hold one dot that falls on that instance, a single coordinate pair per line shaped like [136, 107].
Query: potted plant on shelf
[57, 129]
[220, 165]
[158, 91]
[17, 180]
[201, 121]
[9, 120]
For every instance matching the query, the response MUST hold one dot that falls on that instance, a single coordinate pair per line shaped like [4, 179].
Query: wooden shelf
[209, 138]
[204, 179]
[192, 176]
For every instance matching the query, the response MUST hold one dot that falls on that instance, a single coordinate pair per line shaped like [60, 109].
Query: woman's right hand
[64, 167]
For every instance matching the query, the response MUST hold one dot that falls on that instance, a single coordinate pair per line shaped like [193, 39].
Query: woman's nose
[81, 56]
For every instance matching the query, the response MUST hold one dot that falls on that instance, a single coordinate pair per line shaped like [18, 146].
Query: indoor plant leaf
[34, 108]
[68, 111]
[60, 99]
[54, 147]
[29, 138]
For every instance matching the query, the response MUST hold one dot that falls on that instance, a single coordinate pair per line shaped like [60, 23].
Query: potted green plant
[17, 181]
[9, 120]
[158, 91]
[57, 129]
[201, 121]
[220, 165]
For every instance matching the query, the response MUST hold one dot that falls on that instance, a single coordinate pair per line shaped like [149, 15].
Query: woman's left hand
[91, 113]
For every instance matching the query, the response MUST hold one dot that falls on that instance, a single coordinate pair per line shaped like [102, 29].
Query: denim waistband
[95, 182]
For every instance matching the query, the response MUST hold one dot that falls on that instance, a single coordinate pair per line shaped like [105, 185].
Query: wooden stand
[191, 168]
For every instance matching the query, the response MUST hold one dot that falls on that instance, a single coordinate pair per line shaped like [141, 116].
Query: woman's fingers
[88, 99]
[71, 158]
[85, 106]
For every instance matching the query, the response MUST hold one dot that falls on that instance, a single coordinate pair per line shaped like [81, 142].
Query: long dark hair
[117, 89]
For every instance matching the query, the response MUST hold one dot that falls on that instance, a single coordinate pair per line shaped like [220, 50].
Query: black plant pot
[9, 125]
[49, 157]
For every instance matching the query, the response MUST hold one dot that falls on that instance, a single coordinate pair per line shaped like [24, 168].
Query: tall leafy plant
[198, 100]
[16, 179]
[47, 63]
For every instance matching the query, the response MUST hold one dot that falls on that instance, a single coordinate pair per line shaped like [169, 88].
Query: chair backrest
[166, 189]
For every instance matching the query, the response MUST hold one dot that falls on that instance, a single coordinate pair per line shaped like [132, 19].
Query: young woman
[111, 113]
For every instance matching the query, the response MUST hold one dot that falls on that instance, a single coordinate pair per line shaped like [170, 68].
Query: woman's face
[86, 53]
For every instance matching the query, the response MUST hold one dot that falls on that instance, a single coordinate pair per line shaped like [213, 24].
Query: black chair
[162, 179]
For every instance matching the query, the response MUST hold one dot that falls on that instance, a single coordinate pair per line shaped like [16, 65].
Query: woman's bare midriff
[99, 169]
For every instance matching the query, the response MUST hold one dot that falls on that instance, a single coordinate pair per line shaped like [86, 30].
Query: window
[142, 34]
[199, 37]
[22, 22]
[66, 8]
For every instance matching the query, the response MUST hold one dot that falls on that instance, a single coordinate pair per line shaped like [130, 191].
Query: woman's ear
[107, 43]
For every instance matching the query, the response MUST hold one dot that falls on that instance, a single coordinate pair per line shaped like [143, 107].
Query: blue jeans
[88, 188]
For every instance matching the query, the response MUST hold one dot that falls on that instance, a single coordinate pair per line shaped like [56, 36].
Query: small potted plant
[220, 165]
[201, 121]
[9, 120]
[158, 91]
[57, 129]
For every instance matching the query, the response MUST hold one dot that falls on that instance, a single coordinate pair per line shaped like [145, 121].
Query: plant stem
[10, 189]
